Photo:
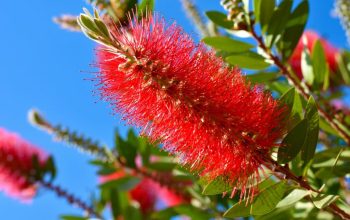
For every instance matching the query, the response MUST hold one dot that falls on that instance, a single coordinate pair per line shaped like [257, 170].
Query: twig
[274, 166]
[330, 120]
[70, 198]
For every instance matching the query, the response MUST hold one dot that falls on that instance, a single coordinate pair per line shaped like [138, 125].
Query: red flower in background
[148, 193]
[185, 96]
[310, 38]
[16, 165]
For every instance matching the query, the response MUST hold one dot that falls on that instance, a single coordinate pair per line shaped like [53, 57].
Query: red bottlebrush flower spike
[185, 96]
[310, 37]
[16, 165]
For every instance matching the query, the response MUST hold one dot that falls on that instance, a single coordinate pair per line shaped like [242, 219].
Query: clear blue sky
[44, 67]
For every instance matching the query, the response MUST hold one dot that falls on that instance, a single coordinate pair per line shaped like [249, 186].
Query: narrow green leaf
[292, 99]
[294, 29]
[162, 166]
[312, 117]
[192, 212]
[88, 23]
[326, 127]
[122, 184]
[256, 9]
[263, 203]
[145, 6]
[216, 186]
[292, 143]
[321, 200]
[227, 44]
[248, 60]
[220, 19]
[278, 22]
[72, 217]
[293, 197]
[344, 66]
[319, 63]
[132, 213]
[288, 98]
[263, 11]
[262, 77]
[127, 149]
[101, 27]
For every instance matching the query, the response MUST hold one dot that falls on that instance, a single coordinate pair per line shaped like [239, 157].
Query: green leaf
[278, 22]
[321, 200]
[122, 184]
[145, 6]
[312, 117]
[216, 186]
[292, 143]
[72, 217]
[164, 214]
[162, 166]
[220, 19]
[326, 127]
[248, 60]
[263, 10]
[332, 153]
[102, 27]
[263, 203]
[307, 67]
[133, 213]
[262, 77]
[88, 23]
[319, 63]
[127, 149]
[292, 99]
[50, 168]
[293, 197]
[192, 212]
[294, 29]
[343, 61]
[279, 87]
[227, 44]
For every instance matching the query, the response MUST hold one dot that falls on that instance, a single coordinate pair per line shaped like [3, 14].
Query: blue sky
[45, 67]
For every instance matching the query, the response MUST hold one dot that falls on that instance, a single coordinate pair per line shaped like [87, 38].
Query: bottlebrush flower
[182, 94]
[148, 193]
[16, 165]
[311, 37]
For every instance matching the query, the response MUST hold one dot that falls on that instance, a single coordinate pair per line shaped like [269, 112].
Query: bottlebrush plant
[226, 128]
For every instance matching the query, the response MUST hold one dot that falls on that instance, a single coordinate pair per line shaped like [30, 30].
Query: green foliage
[294, 29]
[278, 22]
[227, 44]
[312, 117]
[293, 142]
[315, 158]
[263, 203]
[248, 60]
[219, 19]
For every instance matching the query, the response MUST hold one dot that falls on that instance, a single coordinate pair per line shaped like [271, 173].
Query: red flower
[310, 38]
[148, 193]
[185, 96]
[16, 165]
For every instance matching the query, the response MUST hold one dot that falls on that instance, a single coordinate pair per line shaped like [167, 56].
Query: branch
[85, 145]
[296, 83]
[275, 167]
[70, 198]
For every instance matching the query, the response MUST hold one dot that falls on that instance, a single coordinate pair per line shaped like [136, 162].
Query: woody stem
[274, 166]
[333, 122]
[70, 198]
